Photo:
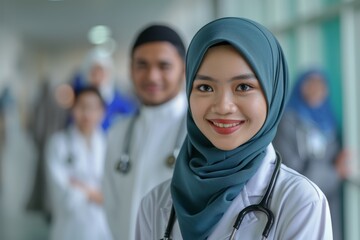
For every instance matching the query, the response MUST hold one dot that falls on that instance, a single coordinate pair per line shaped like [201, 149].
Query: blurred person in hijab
[49, 115]
[308, 139]
[98, 71]
[142, 148]
[75, 161]
[228, 181]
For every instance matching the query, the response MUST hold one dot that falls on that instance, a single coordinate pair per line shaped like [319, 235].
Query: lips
[224, 126]
[152, 88]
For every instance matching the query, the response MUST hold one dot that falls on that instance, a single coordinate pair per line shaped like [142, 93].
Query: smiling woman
[227, 164]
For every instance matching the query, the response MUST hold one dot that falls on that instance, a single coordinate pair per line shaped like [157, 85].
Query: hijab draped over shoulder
[207, 179]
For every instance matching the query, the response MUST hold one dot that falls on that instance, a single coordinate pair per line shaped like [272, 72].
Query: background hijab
[322, 115]
[207, 179]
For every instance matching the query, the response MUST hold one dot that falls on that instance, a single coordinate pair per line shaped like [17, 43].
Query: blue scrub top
[119, 106]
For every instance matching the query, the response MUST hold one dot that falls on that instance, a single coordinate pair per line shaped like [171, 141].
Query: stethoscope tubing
[263, 206]
[124, 164]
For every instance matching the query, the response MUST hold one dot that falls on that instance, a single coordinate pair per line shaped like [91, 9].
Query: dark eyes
[204, 88]
[163, 66]
[241, 87]
[140, 65]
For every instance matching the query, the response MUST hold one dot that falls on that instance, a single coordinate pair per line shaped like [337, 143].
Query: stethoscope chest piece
[70, 160]
[170, 161]
[123, 165]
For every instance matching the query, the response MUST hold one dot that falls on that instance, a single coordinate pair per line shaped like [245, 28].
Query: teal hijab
[206, 179]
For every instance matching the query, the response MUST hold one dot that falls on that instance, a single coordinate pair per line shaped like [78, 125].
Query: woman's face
[314, 90]
[88, 112]
[227, 102]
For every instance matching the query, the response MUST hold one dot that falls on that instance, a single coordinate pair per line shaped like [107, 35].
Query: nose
[154, 74]
[224, 103]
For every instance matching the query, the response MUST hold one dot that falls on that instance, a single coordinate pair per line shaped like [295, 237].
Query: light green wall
[332, 62]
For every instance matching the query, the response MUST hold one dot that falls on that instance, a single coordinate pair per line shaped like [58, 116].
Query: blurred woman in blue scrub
[98, 71]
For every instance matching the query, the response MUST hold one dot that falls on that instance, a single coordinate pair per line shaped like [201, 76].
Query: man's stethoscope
[123, 165]
[262, 206]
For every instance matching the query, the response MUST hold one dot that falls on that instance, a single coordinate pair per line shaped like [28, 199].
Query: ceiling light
[99, 34]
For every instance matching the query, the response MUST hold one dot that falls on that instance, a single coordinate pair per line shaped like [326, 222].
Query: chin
[225, 147]
[225, 144]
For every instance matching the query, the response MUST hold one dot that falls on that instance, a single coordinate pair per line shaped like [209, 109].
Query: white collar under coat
[173, 108]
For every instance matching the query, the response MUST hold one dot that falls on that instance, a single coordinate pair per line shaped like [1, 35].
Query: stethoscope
[123, 165]
[70, 160]
[263, 206]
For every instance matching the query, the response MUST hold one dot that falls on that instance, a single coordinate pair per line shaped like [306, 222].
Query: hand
[93, 194]
[341, 164]
[77, 183]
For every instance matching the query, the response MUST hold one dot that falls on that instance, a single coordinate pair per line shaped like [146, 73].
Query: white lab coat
[155, 134]
[74, 216]
[300, 208]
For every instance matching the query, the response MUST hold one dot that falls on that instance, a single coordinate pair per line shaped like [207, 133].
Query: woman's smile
[225, 126]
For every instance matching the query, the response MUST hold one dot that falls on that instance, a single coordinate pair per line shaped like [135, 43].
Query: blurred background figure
[6, 102]
[142, 149]
[309, 140]
[98, 71]
[48, 116]
[51, 112]
[75, 159]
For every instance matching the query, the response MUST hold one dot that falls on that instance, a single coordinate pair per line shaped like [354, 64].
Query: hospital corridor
[71, 73]
[17, 168]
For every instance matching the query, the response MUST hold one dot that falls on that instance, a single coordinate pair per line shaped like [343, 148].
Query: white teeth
[225, 125]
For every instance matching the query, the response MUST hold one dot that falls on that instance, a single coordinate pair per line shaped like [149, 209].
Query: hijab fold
[207, 179]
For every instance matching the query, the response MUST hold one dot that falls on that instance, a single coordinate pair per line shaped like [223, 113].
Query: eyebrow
[141, 61]
[245, 76]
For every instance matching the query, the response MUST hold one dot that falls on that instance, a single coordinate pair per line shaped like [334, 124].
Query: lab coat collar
[254, 188]
[75, 133]
[257, 185]
[172, 108]
[252, 193]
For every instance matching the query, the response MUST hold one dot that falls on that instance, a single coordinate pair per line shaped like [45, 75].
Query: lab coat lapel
[88, 159]
[224, 228]
[251, 194]
[98, 153]
[165, 214]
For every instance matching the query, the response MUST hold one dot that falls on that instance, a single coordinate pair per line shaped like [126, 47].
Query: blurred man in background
[142, 149]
